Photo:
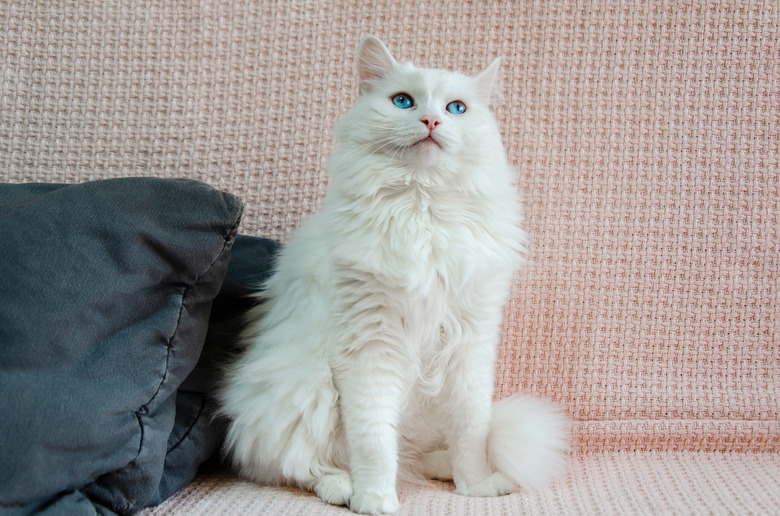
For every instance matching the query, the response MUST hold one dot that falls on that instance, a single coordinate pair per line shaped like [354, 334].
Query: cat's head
[418, 118]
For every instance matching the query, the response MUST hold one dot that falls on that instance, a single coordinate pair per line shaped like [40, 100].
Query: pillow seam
[201, 408]
[143, 410]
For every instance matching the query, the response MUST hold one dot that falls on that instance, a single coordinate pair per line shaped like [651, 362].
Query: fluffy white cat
[373, 355]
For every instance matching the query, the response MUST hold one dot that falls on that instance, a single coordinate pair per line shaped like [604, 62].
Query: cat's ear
[374, 62]
[487, 80]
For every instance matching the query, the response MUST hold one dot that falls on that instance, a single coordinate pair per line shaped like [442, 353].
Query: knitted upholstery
[598, 483]
[645, 137]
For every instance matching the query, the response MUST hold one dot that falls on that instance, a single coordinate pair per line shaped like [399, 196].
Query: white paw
[374, 503]
[334, 488]
[494, 485]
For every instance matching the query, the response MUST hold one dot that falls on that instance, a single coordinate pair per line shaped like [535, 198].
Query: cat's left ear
[487, 79]
[374, 62]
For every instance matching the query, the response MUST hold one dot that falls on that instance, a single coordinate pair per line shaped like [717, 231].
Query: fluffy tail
[529, 440]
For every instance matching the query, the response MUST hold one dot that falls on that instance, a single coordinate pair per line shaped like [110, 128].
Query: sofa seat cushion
[627, 482]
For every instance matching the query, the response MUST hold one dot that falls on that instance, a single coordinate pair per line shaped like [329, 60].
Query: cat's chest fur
[424, 240]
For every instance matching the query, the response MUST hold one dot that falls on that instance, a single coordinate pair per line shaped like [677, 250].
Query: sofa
[647, 146]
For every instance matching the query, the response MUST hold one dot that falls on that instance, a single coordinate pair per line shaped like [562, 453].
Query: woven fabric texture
[645, 135]
[598, 483]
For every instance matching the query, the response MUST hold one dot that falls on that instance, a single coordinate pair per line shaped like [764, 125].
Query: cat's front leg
[467, 400]
[370, 384]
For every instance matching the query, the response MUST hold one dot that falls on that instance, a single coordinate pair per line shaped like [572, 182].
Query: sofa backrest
[645, 137]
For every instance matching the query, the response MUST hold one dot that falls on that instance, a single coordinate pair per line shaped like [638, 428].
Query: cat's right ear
[374, 62]
[487, 80]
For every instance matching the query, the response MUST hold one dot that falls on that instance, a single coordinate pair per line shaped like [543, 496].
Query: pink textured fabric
[598, 483]
[645, 135]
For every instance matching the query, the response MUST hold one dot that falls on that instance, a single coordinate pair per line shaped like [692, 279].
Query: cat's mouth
[426, 141]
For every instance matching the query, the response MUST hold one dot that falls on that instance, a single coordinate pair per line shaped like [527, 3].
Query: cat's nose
[430, 122]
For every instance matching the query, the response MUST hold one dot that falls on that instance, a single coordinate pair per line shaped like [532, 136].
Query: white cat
[373, 355]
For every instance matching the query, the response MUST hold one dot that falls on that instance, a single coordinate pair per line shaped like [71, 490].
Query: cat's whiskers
[396, 142]
[365, 146]
[402, 140]
[360, 124]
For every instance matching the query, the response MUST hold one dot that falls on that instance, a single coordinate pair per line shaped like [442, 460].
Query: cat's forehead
[429, 81]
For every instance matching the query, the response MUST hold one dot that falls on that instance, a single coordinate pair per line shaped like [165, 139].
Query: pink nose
[430, 122]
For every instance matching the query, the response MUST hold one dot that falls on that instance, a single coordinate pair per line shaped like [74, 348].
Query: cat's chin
[427, 148]
[428, 141]
[428, 154]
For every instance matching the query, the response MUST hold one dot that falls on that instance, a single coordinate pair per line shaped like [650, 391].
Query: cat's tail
[529, 440]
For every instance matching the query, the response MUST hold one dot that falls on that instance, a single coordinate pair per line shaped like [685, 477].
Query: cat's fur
[374, 352]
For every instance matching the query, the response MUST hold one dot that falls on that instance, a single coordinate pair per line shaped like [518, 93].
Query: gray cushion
[105, 294]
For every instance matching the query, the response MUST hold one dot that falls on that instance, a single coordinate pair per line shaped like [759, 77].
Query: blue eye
[403, 101]
[456, 107]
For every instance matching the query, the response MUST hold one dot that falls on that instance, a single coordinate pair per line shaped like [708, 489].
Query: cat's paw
[334, 488]
[374, 503]
[495, 485]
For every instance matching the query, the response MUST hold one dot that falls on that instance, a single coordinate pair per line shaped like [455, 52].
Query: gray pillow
[105, 294]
